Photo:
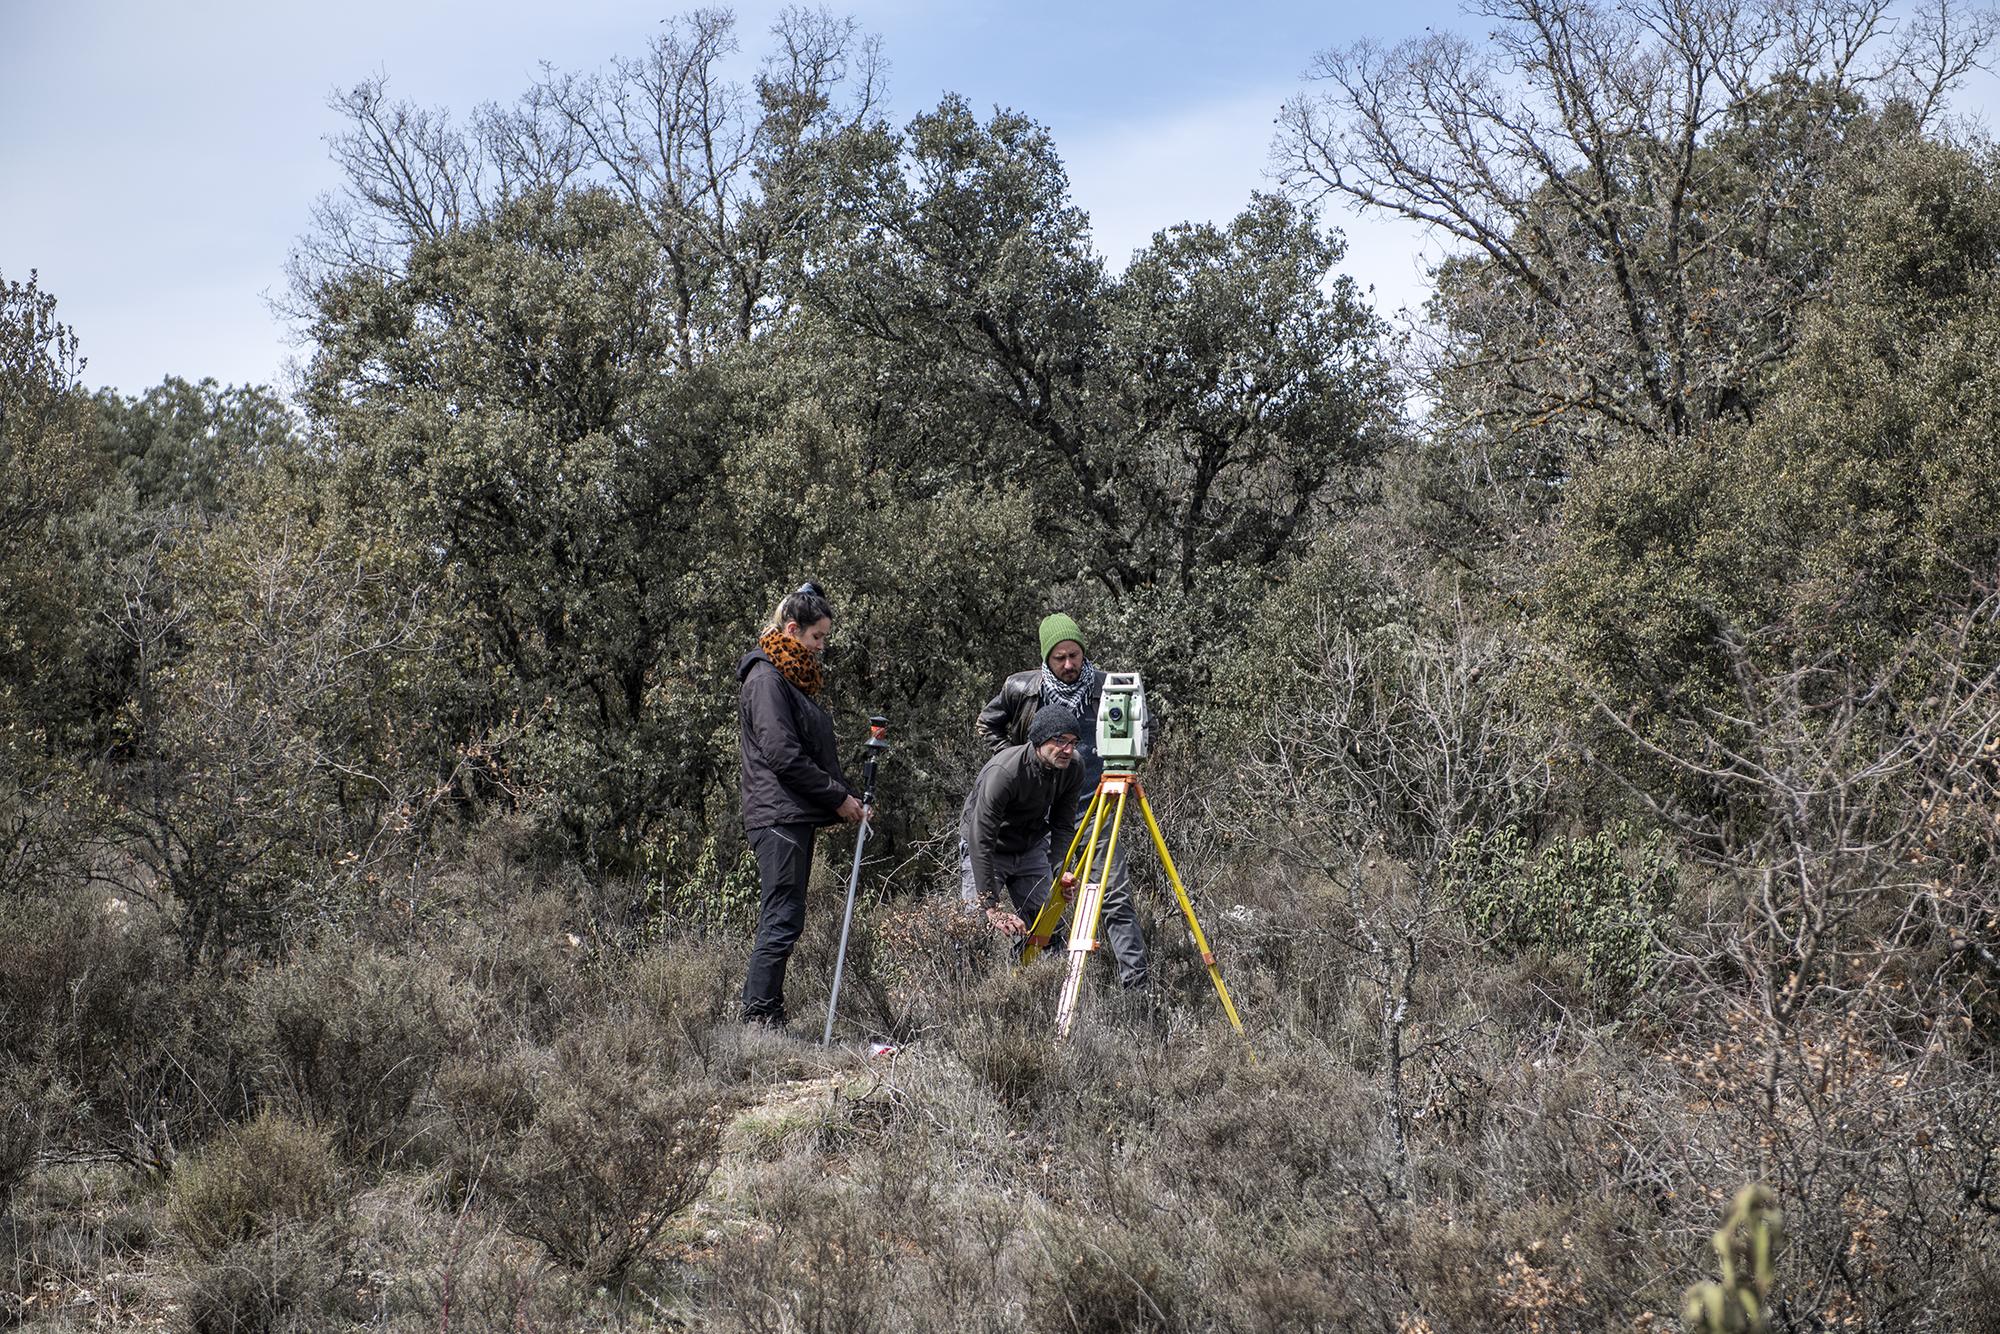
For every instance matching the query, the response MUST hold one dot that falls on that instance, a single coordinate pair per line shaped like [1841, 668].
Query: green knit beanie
[1057, 627]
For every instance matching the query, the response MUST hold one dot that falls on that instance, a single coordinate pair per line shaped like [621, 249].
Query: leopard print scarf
[801, 668]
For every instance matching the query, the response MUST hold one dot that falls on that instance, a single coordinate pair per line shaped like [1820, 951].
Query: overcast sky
[159, 160]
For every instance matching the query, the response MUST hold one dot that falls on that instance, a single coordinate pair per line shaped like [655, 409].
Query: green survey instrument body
[1121, 719]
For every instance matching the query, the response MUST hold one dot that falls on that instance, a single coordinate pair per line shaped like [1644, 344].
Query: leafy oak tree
[1181, 427]
[179, 443]
[1637, 200]
[47, 474]
[1860, 503]
[585, 392]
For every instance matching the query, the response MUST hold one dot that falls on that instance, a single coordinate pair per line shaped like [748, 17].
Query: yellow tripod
[1112, 792]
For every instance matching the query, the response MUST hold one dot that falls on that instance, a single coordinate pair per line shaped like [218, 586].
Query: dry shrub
[687, 990]
[1282, 942]
[260, 1215]
[1109, 1279]
[679, 998]
[251, 1179]
[813, 1260]
[513, 919]
[352, 1040]
[958, 1249]
[1881, 1156]
[909, 964]
[615, 1150]
[503, 860]
[1007, 1034]
[1283, 1139]
[1327, 1276]
[900, 1241]
[73, 1228]
[1514, 1271]
[974, 1258]
[930, 953]
[433, 1270]
[529, 960]
[95, 995]
[1539, 1203]
[75, 962]
[290, 1280]
[491, 1287]
[1976, 1293]
[25, 1106]
[482, 1103]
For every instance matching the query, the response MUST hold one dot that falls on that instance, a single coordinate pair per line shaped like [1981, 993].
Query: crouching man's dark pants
[784, 861]
[1027, 876]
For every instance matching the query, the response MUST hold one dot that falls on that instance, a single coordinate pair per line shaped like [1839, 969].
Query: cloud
[1201, 164]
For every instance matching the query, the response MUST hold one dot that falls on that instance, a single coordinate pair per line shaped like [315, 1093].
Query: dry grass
[493, 1115]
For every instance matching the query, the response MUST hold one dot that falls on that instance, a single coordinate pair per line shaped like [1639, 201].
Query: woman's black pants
[784, 861]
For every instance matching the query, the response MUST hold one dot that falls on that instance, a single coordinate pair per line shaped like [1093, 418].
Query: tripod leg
[1187, 909]
[1069, 853]
[1083, 930]
[1044, 926]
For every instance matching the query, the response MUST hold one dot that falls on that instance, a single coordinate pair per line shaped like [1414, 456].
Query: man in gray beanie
[1024, 799]
[1068, 678]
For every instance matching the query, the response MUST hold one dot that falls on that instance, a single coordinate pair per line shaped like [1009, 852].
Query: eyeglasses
[1062, 743]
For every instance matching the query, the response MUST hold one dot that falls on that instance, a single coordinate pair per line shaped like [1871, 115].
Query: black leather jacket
[1004, 722]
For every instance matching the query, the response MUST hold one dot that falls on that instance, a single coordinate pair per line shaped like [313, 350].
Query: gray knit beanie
[1050, 722]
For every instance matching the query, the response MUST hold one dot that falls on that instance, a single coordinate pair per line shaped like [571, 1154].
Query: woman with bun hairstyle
[792, 783]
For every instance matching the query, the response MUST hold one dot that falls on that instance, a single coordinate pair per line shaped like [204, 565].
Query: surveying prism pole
[878, 744]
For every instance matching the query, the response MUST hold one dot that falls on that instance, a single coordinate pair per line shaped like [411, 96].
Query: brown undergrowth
[495, 1114]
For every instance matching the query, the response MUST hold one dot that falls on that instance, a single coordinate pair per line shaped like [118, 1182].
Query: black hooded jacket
[791, 767]
[1017, 804]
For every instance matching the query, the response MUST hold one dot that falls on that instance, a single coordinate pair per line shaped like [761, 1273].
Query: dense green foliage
[1601, 900]
[1859, 502]
[46, 475]
[1578, 720]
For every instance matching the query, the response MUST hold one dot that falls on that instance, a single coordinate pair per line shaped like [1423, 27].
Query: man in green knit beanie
[1057, 627]
[1067, 677]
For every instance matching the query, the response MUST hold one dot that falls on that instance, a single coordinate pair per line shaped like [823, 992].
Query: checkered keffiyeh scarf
[1072, 697]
